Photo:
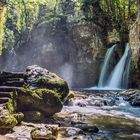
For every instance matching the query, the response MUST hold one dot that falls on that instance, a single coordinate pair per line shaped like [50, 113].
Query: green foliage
[122, 14]
[20, 17]
[10, 107]
[119, 13]
[7, 122]
[38, 93]
[2, 25]
[24, 15]
[19, 117]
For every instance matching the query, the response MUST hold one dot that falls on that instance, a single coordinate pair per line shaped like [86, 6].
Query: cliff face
[135, 46]
[90, 51]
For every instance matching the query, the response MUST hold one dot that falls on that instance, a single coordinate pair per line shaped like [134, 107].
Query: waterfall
[118, 79]
[105, 66]
[119, 76]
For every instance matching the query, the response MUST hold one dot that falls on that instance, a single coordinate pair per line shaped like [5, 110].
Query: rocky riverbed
[37, 105]
[88, 116]
[116, 114]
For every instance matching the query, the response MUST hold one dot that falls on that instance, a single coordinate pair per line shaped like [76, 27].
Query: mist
[66, 72]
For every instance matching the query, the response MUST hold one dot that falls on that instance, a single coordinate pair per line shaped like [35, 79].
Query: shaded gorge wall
[73, 51]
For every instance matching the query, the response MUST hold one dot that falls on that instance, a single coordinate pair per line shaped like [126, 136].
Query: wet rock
[132, 96]
[48, 133]
[91, 100]
[136, 100]
[92, 129]
[76, 138]
[19, 117]
[98, 103]
[73, 131]
[7, 122]
[5, 138]
[34, 116]
[70, 131]
[85, 127]
[38, 77]
[70, 96]
[20, 132]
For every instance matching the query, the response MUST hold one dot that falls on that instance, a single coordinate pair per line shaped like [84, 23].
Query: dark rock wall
[135, 46]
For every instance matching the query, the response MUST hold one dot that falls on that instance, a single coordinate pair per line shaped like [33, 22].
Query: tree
[2, 21]
[120, 14]
[22, 16]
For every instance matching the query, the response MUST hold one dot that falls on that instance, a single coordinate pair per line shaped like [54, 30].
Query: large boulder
[44, 92]
[38, 77]
[37, 93]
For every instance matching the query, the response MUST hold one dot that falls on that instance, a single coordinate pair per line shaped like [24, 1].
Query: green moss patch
[43, 100]
[55, 84]
[7, 122]
[38, 93]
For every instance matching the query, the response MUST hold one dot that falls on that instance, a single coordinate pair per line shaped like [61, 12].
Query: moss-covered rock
[7, 122]
[10, 106]
[7, 118]
[19, 117]
[41, 94]
[43, 100]
[38, 77]
[33, 116]
[48, 133]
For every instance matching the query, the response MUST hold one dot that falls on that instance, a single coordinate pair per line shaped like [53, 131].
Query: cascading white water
[119, 76]
[105, 66]
[118, 79]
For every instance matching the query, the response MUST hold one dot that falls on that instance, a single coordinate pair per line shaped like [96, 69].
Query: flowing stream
[115, 117]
